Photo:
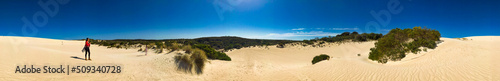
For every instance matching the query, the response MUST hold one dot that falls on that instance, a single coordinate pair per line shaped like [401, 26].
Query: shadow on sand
[170, 52]
[75, 57]
[140, 55]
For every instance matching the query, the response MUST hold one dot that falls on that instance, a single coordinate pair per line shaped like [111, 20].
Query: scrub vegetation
[214, 47]
[321, 57]
[395, 44]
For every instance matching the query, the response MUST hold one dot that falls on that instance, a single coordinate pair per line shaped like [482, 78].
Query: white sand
[452, 60]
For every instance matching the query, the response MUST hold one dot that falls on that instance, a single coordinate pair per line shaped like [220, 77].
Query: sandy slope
[452, 60]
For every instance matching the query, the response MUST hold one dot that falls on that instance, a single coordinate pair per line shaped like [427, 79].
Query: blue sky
[263, 19]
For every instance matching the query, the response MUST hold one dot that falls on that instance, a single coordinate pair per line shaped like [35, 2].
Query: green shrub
[308, 42]
[354, 33]
[345, 34]
[395, 44]
[321, 43]
[360, 38]
[211, 53]
[321, 57]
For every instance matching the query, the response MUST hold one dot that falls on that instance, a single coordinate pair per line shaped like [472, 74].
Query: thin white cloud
[301, 33]
[328, 28]
[299, 29]
[320, 28]
[344, 28]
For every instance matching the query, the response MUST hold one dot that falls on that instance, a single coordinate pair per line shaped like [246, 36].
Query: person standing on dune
[87, 49]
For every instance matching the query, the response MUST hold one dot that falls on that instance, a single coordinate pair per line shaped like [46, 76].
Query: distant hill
[233, 42]
[229, 42]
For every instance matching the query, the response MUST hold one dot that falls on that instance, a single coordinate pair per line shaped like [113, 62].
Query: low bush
[395, 44]
[321, 57]
[211, 53]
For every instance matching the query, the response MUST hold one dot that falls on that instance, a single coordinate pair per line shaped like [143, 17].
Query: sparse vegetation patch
[319, 58]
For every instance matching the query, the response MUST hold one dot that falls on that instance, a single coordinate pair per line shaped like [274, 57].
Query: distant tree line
[354, 36]
[231, 42]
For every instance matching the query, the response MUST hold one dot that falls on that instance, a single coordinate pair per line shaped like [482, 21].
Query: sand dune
[452, 60]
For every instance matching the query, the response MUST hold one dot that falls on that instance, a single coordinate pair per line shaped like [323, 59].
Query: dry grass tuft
[195, 60]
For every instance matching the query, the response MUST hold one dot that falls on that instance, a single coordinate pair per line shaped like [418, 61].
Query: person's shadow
[140, 55]
[75, 57]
